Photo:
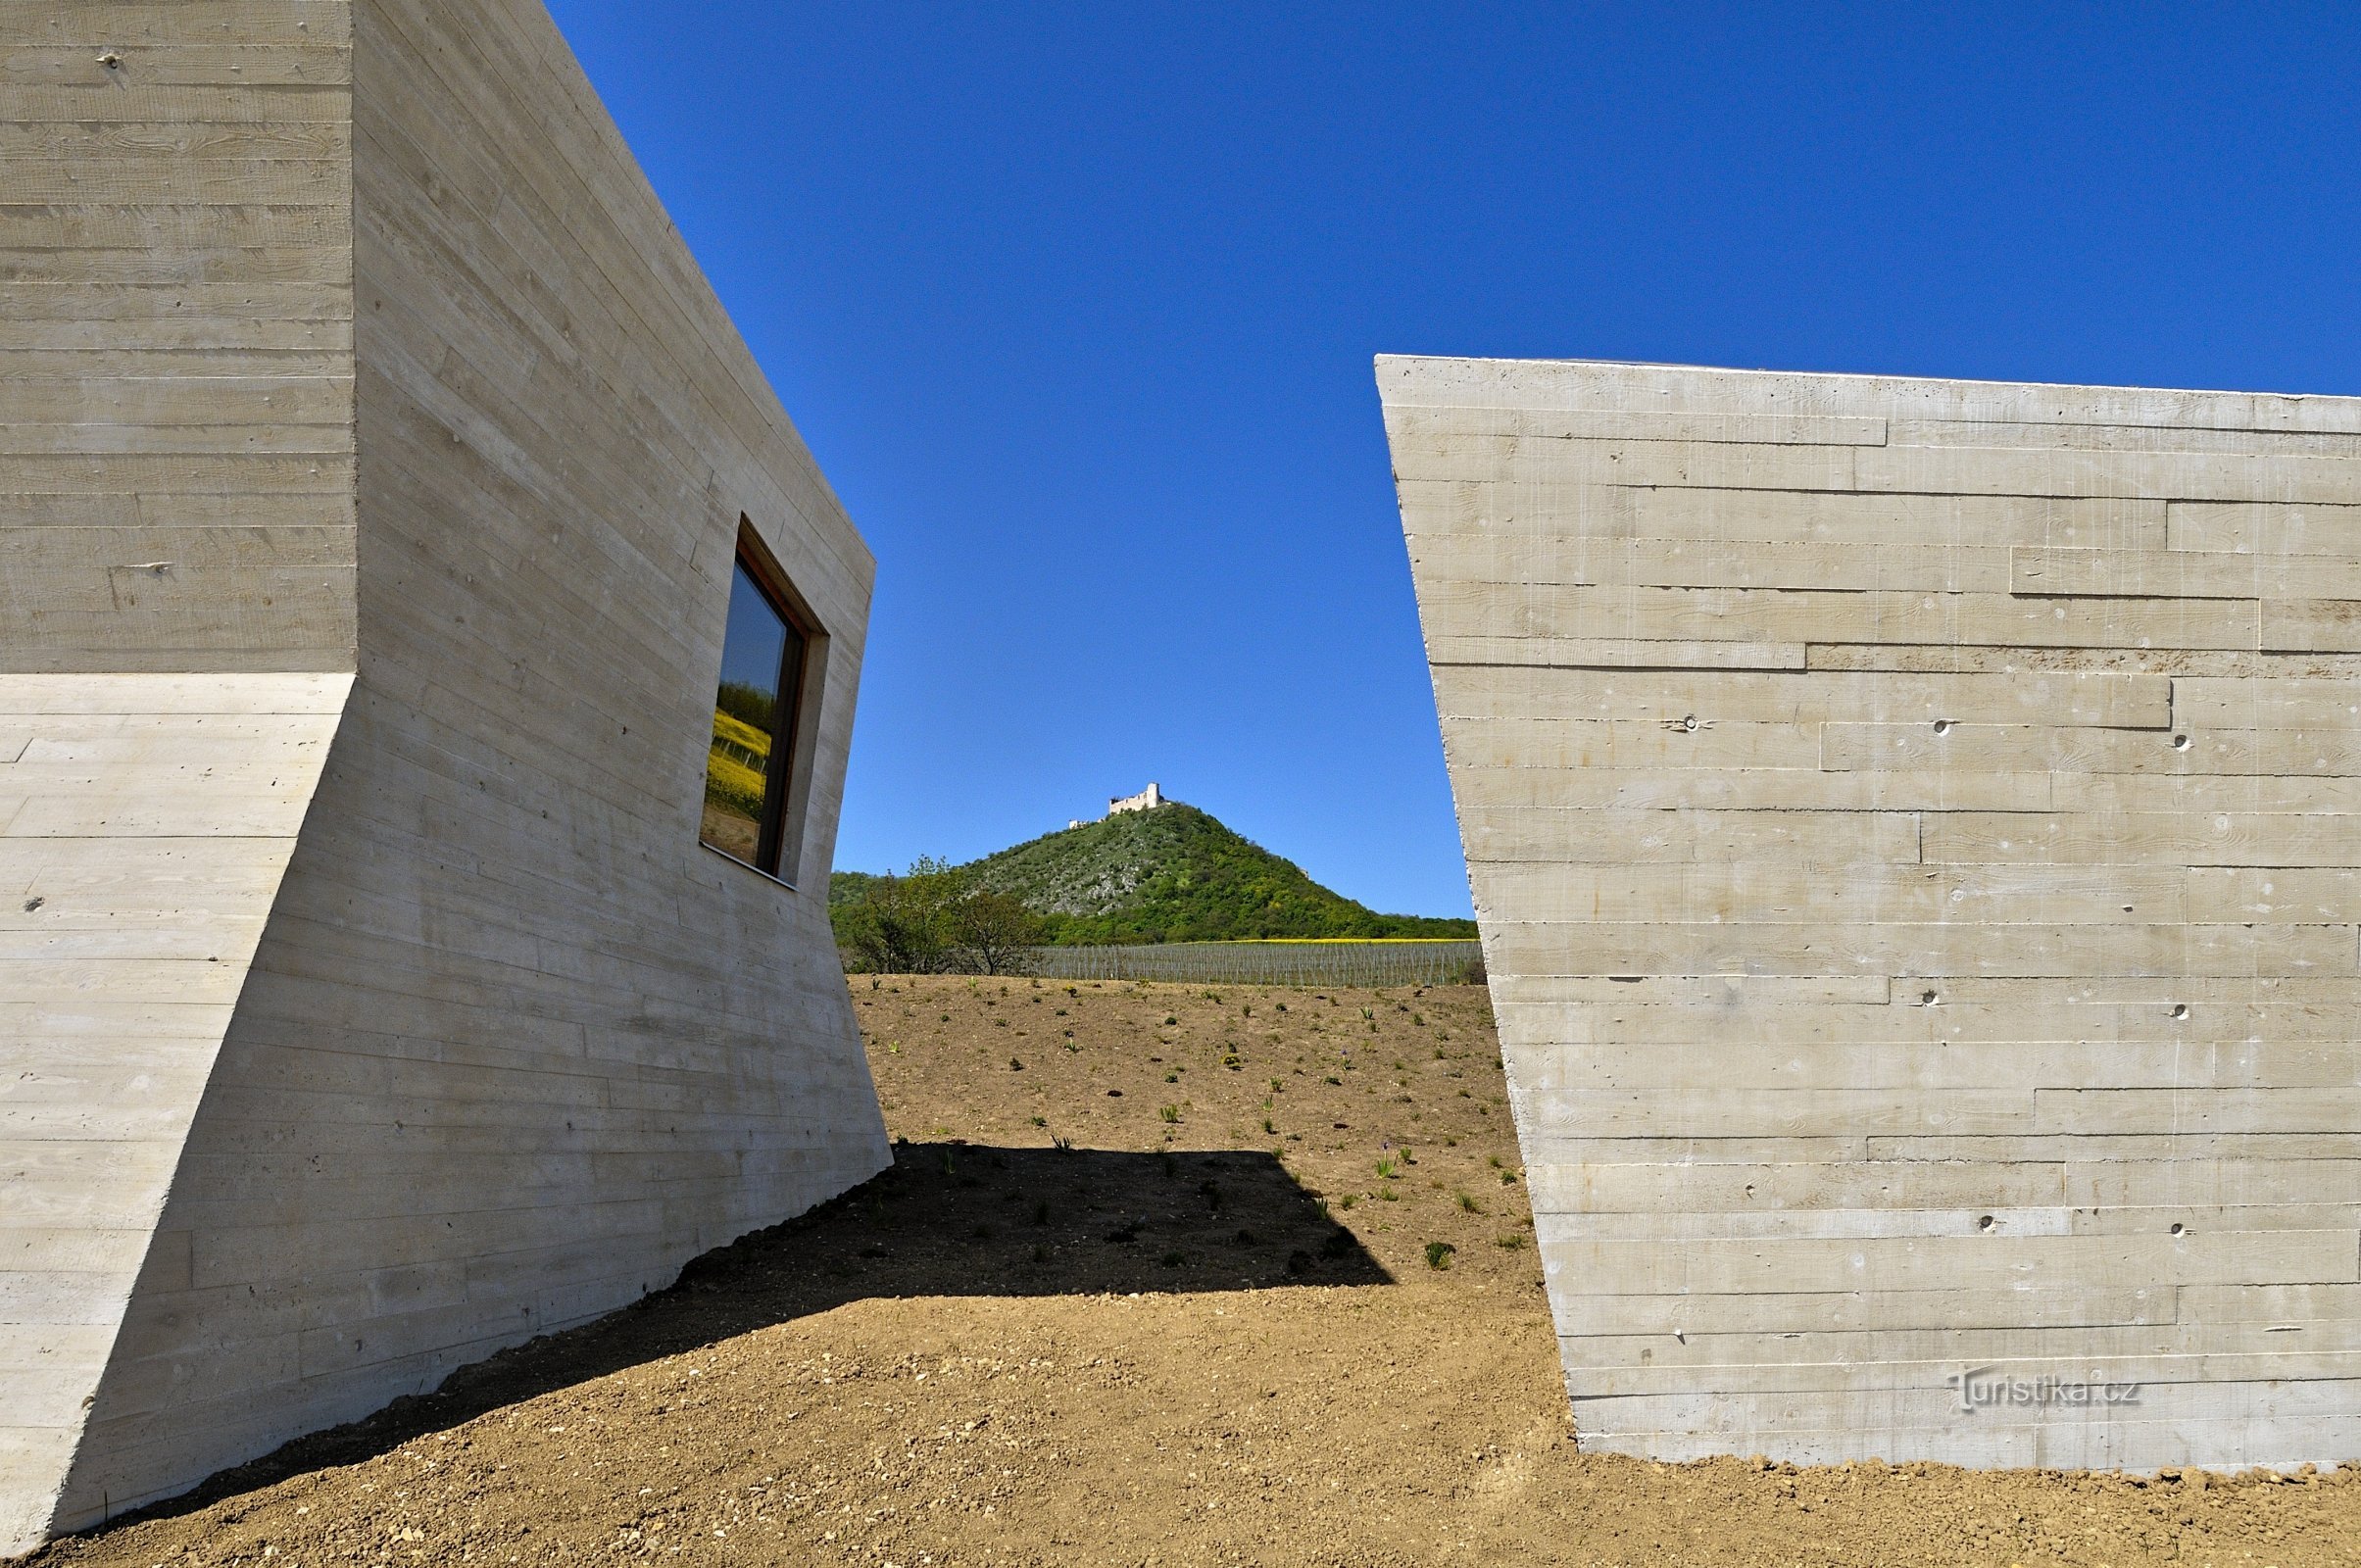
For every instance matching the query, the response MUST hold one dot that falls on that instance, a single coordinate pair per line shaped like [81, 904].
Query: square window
[750, 771]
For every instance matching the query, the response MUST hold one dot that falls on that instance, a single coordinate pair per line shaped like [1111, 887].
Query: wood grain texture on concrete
[1916, 831]
[375, 456]
[127, 935]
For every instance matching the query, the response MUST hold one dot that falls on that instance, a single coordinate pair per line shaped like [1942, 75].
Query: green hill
[1172, 874]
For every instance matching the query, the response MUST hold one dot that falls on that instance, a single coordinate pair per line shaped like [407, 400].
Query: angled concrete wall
[1912, 824]
[381, 1006]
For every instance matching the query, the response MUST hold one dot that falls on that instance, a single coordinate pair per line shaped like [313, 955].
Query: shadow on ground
[946, 1219]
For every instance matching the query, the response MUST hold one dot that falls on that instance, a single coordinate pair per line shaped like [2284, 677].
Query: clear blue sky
[1075, 305]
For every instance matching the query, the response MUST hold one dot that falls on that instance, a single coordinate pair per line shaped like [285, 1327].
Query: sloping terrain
[1064, 1329]
[1172, 874]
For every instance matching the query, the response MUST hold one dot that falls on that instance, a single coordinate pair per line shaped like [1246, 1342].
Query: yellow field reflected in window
[746, 771]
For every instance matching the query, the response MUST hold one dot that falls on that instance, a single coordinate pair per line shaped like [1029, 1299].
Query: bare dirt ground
[1149, 1283]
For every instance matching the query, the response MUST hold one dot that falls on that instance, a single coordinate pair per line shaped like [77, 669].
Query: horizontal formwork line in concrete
[202, 397]
[1710, 1188]
[2282, 1381]
[431, 1105]
[1769, 1026]
[2022, 1111]
[1972, 1346]
[1951, 1308]
[2032, 1263]
[142, 334]
[175, 179]
[1523, 558]
[1903, 948]
[1662, 746]
[1416, 381]
[2018, 435]
[2004, 1216]
[1867, 891]
[120, 982]
[1733, 990]
[242, 809]
[1873, 934]
[1615, 836]
[2194, 839]
[2101, 699]
[192, 141]
[108, 438]
[153, 748]
[217, 104]
[590, 1091]
[2212, 751]
[2181, 574]
[2200, 702]
[216, 472]
[239, 1255]
[1509, 419]
[1648, 788]
[1444, 649]
[2304, 637]
[2227, 664]
[1902, 1150]
[308, 23]
[1443, 455]
[2273, 1444]
[138, 66]
[1519, 562]
[1504, 613]
[2254, 1409]
[262, 262]
[1637, 425]
[2312, 638]
[2200, 837]
[2264, 529]
[38, 239]
[1705, 1059]
[369, 1197]
[1470, 512]
[130, 303]
[2196, 1141]
[318, 595]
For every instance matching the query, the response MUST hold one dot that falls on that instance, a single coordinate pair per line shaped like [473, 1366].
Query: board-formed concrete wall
[366, 1000]
[1913, 828]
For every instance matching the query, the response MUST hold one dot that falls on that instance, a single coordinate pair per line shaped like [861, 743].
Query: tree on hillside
[995, 934]
[934, 919]
[897, 924]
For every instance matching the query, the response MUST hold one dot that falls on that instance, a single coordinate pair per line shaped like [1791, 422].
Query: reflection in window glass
[753, 727]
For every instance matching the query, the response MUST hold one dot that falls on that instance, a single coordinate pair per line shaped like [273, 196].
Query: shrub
[933, 920]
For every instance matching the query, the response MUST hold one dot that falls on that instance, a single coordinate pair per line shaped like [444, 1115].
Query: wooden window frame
[787, 785]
